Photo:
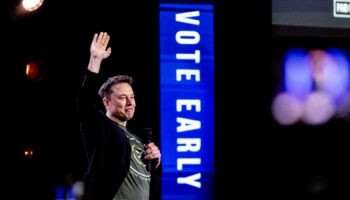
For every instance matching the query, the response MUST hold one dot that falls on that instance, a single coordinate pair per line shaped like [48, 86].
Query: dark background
[309, 162]
[41, 115]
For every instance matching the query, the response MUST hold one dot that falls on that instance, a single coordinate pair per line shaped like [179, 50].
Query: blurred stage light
[31, 5]
[35, 70]
[28, 152]
[287, 109]
[316, 87]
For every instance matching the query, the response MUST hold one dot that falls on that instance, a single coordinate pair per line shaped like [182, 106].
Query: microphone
[148, 134]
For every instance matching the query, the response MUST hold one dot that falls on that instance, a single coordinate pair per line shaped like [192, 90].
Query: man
[117, 158]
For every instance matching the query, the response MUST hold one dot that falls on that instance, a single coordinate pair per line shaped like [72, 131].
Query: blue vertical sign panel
[187, 100]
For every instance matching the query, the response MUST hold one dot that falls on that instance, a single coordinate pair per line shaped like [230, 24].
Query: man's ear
[105, 102]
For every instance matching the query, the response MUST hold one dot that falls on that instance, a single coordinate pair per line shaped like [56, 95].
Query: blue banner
[187, 100]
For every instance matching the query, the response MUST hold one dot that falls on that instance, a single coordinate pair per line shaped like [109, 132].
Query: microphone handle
[148, 132]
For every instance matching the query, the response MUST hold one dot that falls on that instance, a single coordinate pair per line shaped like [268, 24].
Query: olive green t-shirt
[136, 185]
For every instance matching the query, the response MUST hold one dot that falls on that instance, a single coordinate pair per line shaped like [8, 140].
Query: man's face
[121, 103]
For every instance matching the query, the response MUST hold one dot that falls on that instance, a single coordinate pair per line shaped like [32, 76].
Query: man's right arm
[87, 99]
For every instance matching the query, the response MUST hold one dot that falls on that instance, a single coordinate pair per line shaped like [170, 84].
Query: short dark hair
[105, 89]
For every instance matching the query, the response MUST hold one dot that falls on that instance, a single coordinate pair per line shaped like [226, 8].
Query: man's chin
[125, 118]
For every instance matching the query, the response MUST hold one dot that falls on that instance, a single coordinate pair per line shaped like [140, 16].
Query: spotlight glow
[31, 5]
